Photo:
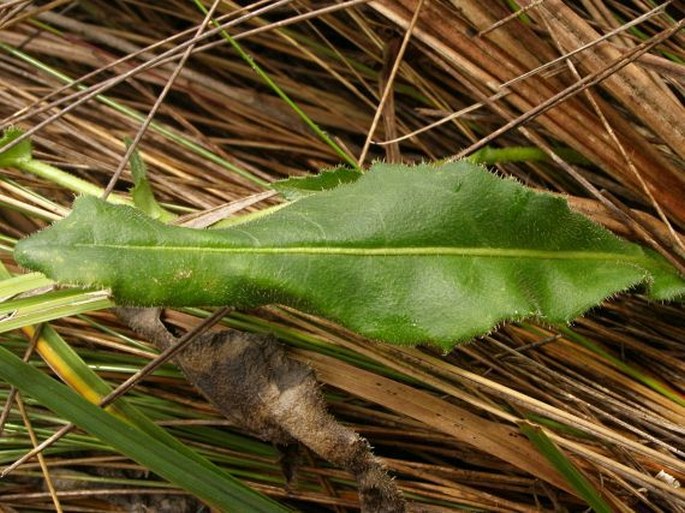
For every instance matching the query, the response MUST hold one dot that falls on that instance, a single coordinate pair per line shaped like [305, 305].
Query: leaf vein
[405, 251]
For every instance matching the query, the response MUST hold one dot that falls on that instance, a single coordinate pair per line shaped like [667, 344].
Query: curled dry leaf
[254, 384]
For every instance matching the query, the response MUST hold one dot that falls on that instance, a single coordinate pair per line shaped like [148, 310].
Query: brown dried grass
[447, 424]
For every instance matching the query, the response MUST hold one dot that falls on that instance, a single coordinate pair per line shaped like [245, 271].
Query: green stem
[66, 180]
[650, 382]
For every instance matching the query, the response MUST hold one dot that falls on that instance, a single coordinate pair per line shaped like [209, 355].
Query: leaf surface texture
[403, 254]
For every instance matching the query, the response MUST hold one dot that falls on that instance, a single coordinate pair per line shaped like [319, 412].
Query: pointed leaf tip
[20, 152]
[141, 193]
[300, 186]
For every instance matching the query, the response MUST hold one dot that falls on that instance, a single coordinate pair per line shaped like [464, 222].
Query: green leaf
[208, 483]
[18, 153]
[404, 254]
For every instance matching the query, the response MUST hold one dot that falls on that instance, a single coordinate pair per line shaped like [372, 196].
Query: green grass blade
[218, 489]
[282, 94]
[79, 376]
[649, 381]
[69, 366]
[565, 467]
[49, 306]
[133, 114]
[22, 283]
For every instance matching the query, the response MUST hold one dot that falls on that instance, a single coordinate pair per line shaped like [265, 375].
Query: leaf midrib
[404, 251]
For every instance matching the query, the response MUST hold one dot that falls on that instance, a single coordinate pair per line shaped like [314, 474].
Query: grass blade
[217, 488]
[565, 467]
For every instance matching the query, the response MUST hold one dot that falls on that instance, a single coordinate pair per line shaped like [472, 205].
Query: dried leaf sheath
[404, 254]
